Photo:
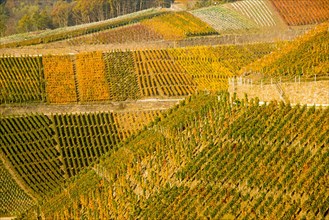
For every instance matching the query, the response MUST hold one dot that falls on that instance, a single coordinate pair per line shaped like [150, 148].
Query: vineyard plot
[127, 34]
[257, 10]
[60, 79]
[129, 123]
[21, 80]
[92, 85]
[29, 145]
[84, 138]
[225, 19]
[210, 67]
[159, 75]
[59, 34]
[178, 25]
[306, 56]
[120, 75]
[13, 199]
[210, 158]
[303, 12]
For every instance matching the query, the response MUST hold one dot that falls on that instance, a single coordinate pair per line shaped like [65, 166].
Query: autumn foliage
[91, 79]
[173, 26]
[302, 12]
[60, 79]
[306, 56]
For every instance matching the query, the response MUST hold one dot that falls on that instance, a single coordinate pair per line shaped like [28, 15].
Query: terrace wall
[302, 92]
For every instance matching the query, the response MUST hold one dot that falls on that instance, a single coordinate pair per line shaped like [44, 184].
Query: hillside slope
[307, 56]
[302, 12]
[40, 152]
[214, 160]
[122, 75]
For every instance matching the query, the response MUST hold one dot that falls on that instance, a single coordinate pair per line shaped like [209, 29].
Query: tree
[3, 19]
[42, 20]
[61, 13]
[33, 19]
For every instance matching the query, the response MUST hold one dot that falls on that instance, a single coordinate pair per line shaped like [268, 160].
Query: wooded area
[17, 16]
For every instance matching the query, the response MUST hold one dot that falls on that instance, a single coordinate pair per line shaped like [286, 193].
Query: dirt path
[139, 105]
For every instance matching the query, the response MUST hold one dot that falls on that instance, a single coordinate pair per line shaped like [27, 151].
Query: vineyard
[43, 151]
[13, 198]
[123, 75]
[76, 31]
[256, 10]
[209, 162]
[224, 19]
[91, 79]
[127, 34]
[306, 56]
[301, 12]
[60, 79]
[21, 79]
[210, 67]
[167, 26]
[178, 25]
[29, 145]
[120, 74]
[158, 132]
[158, 74]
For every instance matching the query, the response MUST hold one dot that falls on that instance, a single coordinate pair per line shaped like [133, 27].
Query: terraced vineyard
[123, 75]
[76, 31]
[301, 12]
[91, 77]
[307, 56]
[120, 74]
[130, 123]
[13, 198]
[60, 79]
[84, 138]
[127, 34]
[257, 10]
[224, 19]
[21, 79]
[158, 75]
[96, 135]
[210, 67]
[272, 166]
[43, 151]
[29, 145]
[178, 25]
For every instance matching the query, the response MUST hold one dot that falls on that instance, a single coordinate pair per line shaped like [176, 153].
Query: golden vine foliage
[159, 75]
[199, 62]
[13, 198]
[59, 76]
[210, 67]
[91, 77]
[210, 159]
[21, 79]
[126, 34]
[131, 122]
[307, 56]
[178, 25]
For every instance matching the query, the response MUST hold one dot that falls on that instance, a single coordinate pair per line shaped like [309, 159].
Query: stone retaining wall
[315, 92]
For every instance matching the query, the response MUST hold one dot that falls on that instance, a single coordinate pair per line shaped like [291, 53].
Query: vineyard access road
[126, 106]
